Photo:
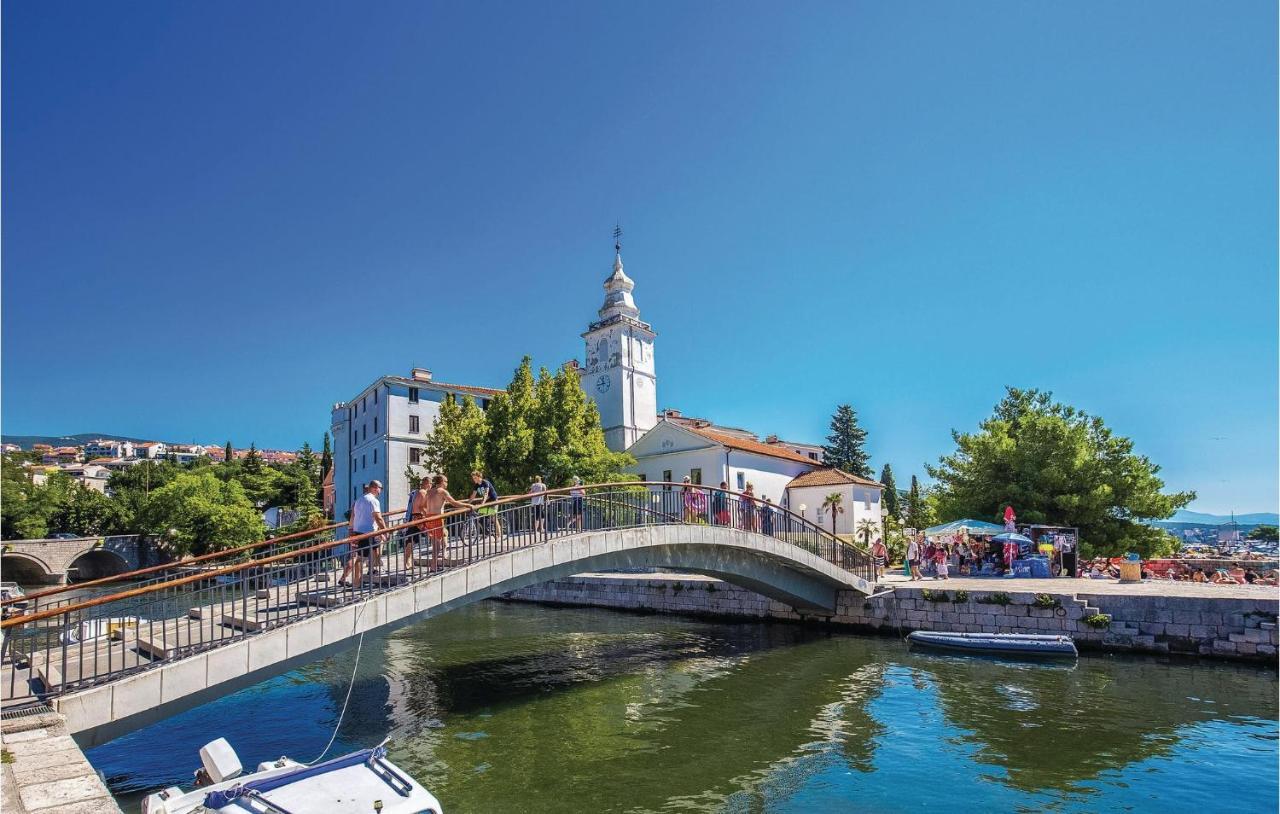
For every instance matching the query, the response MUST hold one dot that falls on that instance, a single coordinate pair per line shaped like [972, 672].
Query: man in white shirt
[913, 558]
[539, 507]
[366, 517]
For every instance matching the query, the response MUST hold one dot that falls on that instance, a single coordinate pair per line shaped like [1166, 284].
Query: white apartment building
[104, 448]
[383, 431]
[152, 450]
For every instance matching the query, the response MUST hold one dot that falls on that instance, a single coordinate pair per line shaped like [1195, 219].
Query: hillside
[28, 441]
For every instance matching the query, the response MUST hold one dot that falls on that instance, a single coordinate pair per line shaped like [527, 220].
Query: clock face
[602, 384]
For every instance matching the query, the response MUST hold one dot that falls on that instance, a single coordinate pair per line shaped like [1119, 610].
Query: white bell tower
[619, 374]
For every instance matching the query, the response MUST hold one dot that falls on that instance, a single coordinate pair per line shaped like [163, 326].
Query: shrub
[935, 596]
[994, 599]
[962, 596]
[1098, 620]
[1047, 601]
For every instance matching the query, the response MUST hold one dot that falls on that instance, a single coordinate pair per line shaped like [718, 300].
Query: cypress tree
[891, 502]
[326, 457]
[915, 505]
[845, 447]
[228, 454]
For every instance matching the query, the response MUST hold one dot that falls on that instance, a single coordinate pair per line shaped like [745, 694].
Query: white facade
[152, 450]
[859, 501]
[383, 431]
[670, 452]
[102, 448]
[619, 372]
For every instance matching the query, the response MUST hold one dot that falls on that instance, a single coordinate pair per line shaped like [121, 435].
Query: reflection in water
[522, 708]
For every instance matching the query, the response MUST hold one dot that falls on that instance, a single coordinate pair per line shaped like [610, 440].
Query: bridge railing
[71, 644]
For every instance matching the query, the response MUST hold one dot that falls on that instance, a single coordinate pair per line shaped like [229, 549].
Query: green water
[520, 708]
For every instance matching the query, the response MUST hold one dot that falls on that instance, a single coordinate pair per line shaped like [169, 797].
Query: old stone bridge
[56, 561]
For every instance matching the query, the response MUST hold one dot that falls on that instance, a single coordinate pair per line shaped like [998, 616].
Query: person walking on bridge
[366, 518]
[538, 503]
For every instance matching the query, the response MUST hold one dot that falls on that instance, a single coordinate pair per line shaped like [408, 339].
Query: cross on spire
[617, 238]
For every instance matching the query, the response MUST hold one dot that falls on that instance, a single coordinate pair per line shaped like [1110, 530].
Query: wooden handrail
[49, 613]
[60, 589]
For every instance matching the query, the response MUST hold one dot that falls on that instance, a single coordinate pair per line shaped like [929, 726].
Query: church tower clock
[619, 373]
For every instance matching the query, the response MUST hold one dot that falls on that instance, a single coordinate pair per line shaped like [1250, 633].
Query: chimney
[421, 374]
[671, 413]
[772, 439]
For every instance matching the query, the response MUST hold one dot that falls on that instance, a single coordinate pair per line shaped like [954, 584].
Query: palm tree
[866, 528]
[833, 502]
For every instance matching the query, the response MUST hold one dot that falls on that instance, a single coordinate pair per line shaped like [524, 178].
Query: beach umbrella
[971, 526]
[1011, 537]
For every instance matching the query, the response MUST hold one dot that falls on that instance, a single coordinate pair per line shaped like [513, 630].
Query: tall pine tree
[915, 506]
[891, 502]
[845, 447]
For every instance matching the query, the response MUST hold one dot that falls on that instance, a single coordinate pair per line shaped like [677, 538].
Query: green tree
[891, 502]
[87, 512]
[326, 457]
[845, 447]
[1061, 466]
[1265, 533]
[918, 512]
[197, 512]
[509, 441]
[832, 504]
[866, 528]
[253, 460]
[456, 444]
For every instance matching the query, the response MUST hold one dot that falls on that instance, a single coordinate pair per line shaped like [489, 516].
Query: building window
[413, 424]
[813, 456]
[375, 425]
[413, 395]
[695, 475]
[742, 481]
[375, 396]
[644, 478]
[866, 498]
[375, 457]
[666, 478]
[364, 461]
[415, 455]
[364, 407]
[353, 464]
[364, 432]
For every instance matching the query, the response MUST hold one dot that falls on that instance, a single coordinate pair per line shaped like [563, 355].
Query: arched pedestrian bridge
[174, 643]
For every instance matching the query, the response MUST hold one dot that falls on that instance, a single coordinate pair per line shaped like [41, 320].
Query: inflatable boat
[1011, 644]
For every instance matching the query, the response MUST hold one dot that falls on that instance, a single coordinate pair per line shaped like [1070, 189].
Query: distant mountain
[28, 441]
[1253, 519]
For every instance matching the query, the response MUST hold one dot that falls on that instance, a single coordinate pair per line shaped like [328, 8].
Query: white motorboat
[113, 627]
[12, 590]
[363, 782]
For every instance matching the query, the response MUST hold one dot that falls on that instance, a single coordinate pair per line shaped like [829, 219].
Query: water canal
[521, 708]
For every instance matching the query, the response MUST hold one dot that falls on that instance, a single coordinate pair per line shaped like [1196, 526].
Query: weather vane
[617, 237]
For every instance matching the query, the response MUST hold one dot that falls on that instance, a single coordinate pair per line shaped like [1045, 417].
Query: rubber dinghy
[1012, 644]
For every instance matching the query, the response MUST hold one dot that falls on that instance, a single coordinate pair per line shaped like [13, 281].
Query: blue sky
[221, 218]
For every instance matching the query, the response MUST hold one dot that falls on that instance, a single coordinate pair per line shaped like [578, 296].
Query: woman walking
[913, 558]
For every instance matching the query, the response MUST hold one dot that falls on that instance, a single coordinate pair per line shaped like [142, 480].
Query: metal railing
[69, 644]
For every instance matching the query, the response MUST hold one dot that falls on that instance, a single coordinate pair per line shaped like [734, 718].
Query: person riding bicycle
[483, 496]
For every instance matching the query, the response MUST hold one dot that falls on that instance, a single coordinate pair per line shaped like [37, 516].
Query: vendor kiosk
[1061, 544]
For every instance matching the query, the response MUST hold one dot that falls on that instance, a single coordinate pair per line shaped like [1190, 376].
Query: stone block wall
[1213, 627]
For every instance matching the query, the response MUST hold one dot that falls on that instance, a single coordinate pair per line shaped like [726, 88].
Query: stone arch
[94, 563]
[23, 568]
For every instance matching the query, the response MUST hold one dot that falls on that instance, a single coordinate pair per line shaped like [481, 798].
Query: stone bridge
[57, 561]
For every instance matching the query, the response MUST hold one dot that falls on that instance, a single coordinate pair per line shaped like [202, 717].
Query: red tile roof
[733, 442]
[829, 477]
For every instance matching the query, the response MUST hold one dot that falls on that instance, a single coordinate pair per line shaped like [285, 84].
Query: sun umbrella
[1010, 537]
[971, 526]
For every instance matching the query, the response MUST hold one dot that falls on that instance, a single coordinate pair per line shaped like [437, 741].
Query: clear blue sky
[219, 218]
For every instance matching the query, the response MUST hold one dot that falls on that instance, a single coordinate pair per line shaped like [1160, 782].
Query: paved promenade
[1111, 587]
[45, 772]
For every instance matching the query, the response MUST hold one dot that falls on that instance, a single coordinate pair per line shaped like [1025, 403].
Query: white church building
[383, 430]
